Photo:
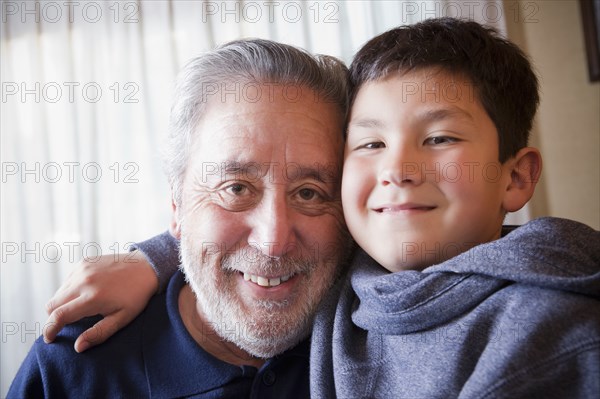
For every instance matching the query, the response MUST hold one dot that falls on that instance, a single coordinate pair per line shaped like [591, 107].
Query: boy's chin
[395, 265]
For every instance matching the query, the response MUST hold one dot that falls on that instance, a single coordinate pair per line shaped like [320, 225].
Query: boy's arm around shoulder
[116, 286]
[162, 253]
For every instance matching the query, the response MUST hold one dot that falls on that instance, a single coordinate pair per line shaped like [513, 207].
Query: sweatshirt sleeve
[572, 373]
[162, 252]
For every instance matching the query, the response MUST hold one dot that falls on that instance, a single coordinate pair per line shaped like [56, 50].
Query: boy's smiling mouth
[404, 207]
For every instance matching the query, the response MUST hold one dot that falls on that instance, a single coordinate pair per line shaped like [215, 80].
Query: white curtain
[86, 89]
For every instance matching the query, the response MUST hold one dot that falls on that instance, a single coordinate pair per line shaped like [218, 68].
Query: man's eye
[236, 197]
[236, 189]
[307, 194]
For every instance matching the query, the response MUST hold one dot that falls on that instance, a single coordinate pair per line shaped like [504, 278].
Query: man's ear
[175, 225]
[525, 169]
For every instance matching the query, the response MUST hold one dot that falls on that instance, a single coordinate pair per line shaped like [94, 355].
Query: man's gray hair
[236, 64]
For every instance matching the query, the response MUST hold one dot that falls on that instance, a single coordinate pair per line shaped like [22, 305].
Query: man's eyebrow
[293, 171]
[321, 174]
[235, 167]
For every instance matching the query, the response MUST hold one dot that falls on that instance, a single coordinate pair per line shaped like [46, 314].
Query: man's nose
[401, 165]
[272, 226]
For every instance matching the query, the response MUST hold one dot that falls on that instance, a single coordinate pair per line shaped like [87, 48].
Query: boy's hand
[116, 286]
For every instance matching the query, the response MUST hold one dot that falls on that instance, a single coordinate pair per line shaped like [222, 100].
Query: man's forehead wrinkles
[237, 167]
[236, 112]
[242, 128]
[291, 141]
[247, 117]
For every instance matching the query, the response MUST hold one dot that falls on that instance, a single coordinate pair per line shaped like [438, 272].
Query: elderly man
[254, 161]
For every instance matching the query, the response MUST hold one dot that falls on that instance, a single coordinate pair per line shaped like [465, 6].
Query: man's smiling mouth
[266, 281]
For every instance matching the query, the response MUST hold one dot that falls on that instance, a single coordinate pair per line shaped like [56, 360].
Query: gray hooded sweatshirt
[518, 317]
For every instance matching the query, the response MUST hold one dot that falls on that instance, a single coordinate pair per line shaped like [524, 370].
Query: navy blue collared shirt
[153, 357]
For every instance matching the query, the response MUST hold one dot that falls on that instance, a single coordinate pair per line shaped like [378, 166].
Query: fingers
[60, 298]
[69, 312]
[116, 287]
[76, 280]
[97, 334]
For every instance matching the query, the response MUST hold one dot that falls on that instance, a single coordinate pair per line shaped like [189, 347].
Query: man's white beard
[267, 327]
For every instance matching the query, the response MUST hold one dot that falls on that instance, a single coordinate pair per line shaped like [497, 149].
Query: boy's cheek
[355, 185]
[348, 175]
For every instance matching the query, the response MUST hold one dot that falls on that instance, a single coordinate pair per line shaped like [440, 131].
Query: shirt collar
[175, 364]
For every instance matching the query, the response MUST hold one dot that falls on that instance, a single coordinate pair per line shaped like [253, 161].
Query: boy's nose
[401, 167]
[272, 229]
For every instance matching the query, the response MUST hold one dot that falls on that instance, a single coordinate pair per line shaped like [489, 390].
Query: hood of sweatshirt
[550, 253]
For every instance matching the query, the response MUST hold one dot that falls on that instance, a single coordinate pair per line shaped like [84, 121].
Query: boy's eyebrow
[367, 123]
[438, 114]
[431, 115]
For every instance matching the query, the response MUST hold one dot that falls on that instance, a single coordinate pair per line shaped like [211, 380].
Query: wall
[567, 128]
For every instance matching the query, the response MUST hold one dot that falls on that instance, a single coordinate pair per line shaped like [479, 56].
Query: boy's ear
[525, 169]
[175, 225]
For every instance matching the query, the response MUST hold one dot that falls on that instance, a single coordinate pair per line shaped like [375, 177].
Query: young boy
[435, 157]
[437, 304]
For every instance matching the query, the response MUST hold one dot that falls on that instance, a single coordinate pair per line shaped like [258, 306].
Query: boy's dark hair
[502, 76]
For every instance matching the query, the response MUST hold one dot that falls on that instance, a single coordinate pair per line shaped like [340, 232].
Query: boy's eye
[372, 145]
[440, 140]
